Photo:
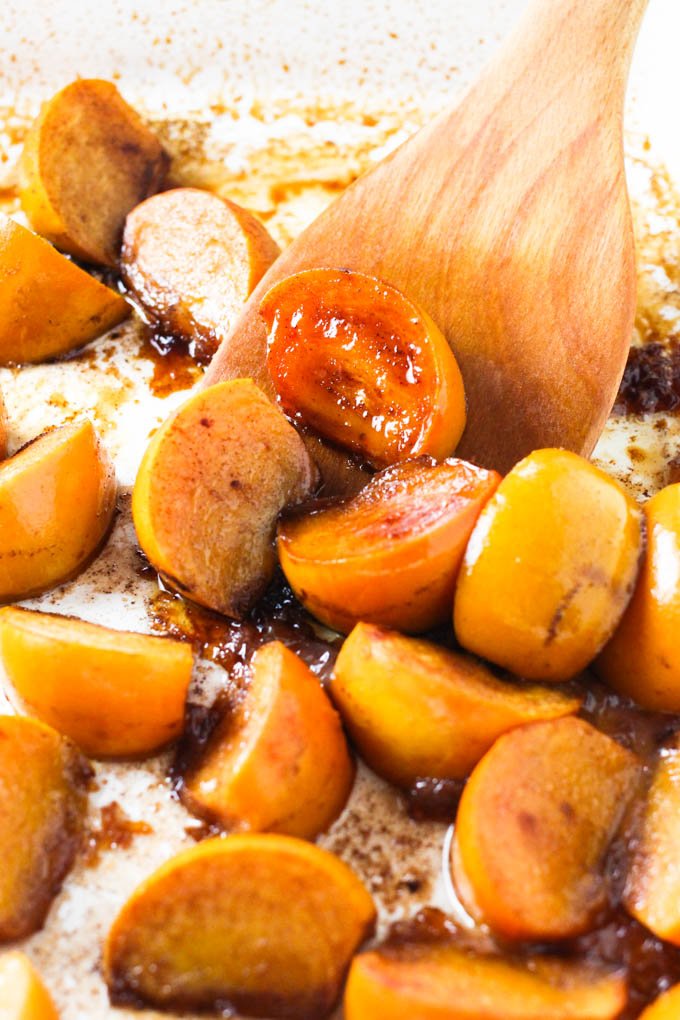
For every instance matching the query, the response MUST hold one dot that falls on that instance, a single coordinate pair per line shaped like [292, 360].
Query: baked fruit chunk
[652, 893]
[23, 996]
[356, 361]
[43, 785]
[208, 492]
[642, 660]
[113, 693]
[281, 762]
[192, 260]
[48, 305]
[416, 710]
[57, 499]
[545, 804]
[87, 160]
[391, 554]
[666, 1007]
[262, 924]
[449, 982]
[549, 568]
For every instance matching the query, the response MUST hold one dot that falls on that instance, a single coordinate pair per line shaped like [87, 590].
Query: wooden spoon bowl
[508, 219]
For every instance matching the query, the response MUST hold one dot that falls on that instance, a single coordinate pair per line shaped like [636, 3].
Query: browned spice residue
[116, 832]
[651, 380]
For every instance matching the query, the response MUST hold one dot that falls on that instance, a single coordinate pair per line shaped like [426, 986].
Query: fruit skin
[115, 694]
[356, 361]
[87, 160]
[450, 982]
[549, 568]
[263, 923]
[545, 804]
[652, 891]
[281, 763]
[642, 660]
[209, 489]
[34, 281]
[666, 1007]
[192, 259]
[43, 784]
[57, 500]
[23, 996]
[416, 710]
[391, 554]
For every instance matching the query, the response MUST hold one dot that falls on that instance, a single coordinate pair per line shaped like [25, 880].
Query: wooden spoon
[507, 218]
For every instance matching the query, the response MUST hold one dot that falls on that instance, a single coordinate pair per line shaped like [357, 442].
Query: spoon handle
[591, 41]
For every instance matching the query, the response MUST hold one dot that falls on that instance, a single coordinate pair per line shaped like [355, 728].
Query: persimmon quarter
[666, 1007]
[281, 764]
[642, 660]
[448, 982]
[389, 555]
[652, 892]
[48, 305]
[416, 710]
[23, 996]
[549, 568]
[262, 924]
[113, 693]
[57, 499]
[209, 489]
[545, 804]
[43, 783]
[192, 260]
[354, 359]
[87, 160]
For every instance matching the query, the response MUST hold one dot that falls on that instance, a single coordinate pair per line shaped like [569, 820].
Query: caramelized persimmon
[642, 660]
[192, 259]
[391, 554]
[57, 498]
[356, 361]
[43, 782]
[87, 160]
[652, 893]
[264, 924]
[416, 710]
[666, 1007]
[113, 693]
[448, 982]
[48, 305]
[534, 825]
[549, 568]
[209, 489]
[281, 764]
[23, 996]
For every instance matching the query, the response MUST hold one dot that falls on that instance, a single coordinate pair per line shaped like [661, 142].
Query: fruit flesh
[23, 996]
[261, 923]
[356, 361]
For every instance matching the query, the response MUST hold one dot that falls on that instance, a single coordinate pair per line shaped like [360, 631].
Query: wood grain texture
[507, 218]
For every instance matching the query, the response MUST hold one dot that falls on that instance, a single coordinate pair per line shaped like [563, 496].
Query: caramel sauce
[115, 832]
[177, 363]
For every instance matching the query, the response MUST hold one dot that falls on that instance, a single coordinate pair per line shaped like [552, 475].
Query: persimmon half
[112, 692]
[549, 568]
[389, 555]
[354, 359]
[23, 996]
[642, 660]
[652, 893]
[420, 981]
[416, 710]
[534, 825]
[263, 924]
[279, 763]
